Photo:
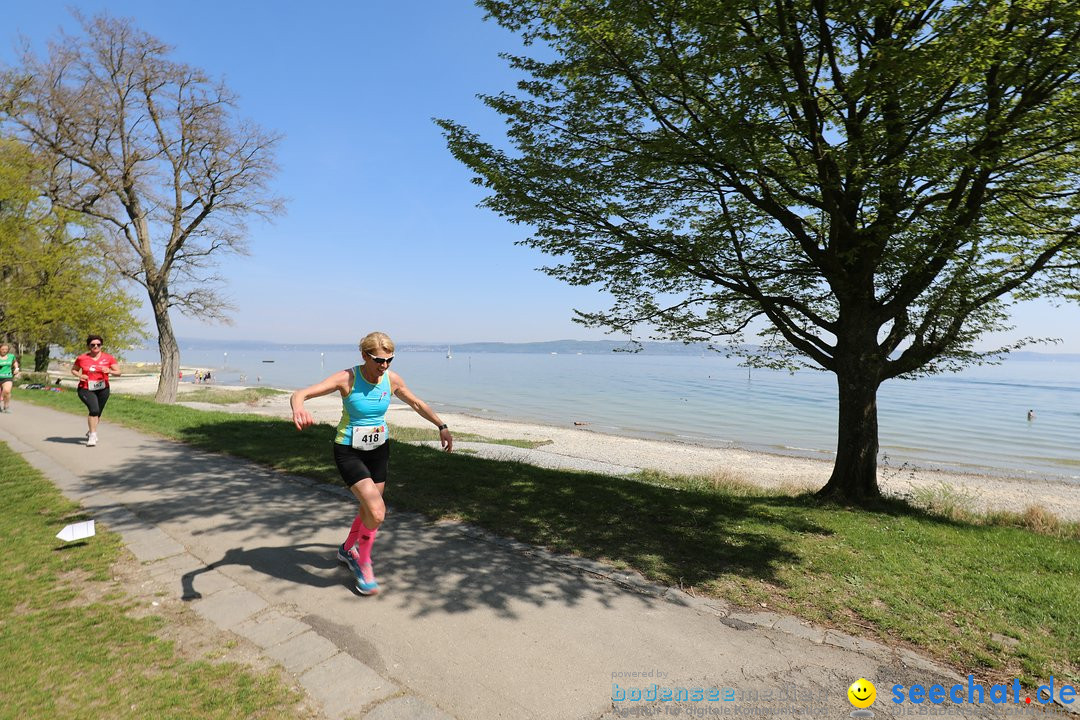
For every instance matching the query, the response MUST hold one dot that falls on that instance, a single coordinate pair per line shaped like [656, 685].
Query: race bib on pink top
[93, 368]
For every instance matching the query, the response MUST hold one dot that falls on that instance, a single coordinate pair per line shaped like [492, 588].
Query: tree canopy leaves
[903, 169]
[55, 288]
[867, 185]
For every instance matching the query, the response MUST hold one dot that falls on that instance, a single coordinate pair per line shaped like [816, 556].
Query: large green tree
[55, 287]
[873, 182]
[154, 152]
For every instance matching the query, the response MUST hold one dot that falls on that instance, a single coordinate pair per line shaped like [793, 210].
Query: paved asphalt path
[468, 625]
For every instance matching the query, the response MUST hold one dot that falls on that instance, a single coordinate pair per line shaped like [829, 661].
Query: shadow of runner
[287, 563]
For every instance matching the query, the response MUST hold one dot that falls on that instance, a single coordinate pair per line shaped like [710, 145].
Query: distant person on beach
[93, 368]
[9, 370]
[361, 450]
[1031, 415]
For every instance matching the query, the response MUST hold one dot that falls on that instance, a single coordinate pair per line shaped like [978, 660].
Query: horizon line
[439, 344]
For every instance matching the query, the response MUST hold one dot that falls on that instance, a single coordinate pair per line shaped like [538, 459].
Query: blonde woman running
[361, 450]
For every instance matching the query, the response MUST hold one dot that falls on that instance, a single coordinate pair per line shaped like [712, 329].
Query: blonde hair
[376, 340]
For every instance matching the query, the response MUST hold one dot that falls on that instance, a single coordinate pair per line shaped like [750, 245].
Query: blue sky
[382, 228]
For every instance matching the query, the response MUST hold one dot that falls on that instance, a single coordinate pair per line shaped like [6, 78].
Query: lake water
[974, 421]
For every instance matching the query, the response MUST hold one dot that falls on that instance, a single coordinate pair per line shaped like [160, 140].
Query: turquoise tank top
[365, 406]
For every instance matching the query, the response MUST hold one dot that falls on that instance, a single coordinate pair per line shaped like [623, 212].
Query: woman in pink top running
[93, 369]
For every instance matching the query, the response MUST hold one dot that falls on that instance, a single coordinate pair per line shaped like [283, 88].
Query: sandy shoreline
[978, 492]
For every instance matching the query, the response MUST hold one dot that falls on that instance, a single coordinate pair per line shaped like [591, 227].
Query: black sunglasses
[95, 344]
[381, 361]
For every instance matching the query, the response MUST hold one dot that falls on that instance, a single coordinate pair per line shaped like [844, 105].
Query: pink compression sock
[354, 532]
[365, 539]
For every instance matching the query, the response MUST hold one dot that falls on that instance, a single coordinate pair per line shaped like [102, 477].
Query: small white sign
[77, 531]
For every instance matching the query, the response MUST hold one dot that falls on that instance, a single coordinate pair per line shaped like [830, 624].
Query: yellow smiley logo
[862, 693]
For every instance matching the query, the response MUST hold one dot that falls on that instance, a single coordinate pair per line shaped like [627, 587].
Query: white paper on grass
[77, 531]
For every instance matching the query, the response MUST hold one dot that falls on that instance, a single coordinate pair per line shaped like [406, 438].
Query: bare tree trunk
[41, 357]
[854, 476]
[168, 349]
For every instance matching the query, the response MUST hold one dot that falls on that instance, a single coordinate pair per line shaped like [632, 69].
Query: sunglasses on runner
[381, 360]
[95, 344]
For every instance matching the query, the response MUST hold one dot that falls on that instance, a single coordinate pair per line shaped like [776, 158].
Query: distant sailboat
[448, 355]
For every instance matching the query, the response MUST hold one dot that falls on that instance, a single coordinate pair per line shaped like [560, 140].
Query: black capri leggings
[355, 465]
[94, 400]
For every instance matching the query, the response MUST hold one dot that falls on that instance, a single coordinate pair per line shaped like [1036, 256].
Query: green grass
[67, 656]
[409, 435]
[224, 396]
[986, 594]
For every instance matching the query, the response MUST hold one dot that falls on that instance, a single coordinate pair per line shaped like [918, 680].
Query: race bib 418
[368, 438]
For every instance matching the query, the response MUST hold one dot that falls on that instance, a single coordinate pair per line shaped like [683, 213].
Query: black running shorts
[355, 465]
[94, 400]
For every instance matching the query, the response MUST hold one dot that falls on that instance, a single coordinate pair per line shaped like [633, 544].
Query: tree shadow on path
[682, 536]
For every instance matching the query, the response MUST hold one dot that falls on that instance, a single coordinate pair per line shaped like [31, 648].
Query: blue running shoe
[345, 558]
[365, 580]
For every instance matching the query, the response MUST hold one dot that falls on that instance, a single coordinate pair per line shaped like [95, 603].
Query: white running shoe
[91, 440]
